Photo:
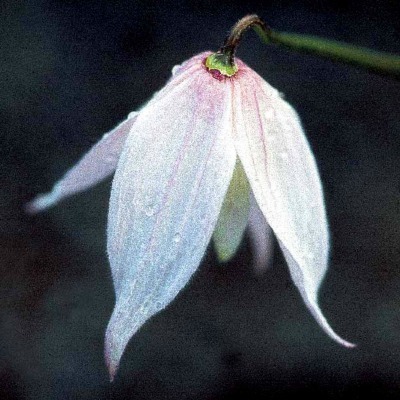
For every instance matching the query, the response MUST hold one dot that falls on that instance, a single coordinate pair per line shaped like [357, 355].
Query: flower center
[220, 66]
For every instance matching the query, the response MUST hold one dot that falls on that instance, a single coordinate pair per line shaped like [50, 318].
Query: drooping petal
[167, 192]
[232, 220]
[96, 165]
[261, 238]
[283, 175]
[101, 161]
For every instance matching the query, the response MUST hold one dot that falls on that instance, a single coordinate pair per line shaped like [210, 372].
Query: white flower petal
[283, 175]
[96, 165]
[102, 159]
[261, 238]
[299, 278]
[166, 196]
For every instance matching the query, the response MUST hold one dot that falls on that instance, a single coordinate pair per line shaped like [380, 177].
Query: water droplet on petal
[203, 217]
[310, 255]
[177, 238]
[284, 155]
[269, 114]
[132, 114]
[144, 308]
[175, 69]
[150, 210]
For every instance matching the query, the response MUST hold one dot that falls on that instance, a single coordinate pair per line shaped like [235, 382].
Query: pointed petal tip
[341, 341]
[317, 313]
[39, 203]
[112, 371]
[31, 208]
[117, 336]
[224, 257]
[112, 368]
[111, 363]
[42, 201]
[348, 344]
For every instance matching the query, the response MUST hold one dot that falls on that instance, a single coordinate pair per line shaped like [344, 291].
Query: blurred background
[70, 71]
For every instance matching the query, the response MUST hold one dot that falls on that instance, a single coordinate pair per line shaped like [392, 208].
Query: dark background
[69, 71]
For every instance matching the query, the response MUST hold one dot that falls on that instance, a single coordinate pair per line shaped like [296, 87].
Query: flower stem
[233, 39]
[378, 62]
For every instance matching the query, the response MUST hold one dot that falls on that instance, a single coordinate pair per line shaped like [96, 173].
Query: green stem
[381, 63]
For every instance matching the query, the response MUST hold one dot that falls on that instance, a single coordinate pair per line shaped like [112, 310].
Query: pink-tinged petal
[167, 192]
[96, 165]
[283, 175]
[261, 238]
[101, 161]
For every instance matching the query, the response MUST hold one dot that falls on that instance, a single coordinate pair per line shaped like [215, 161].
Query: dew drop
[150, 210]
[203, 217]
[132, 114]
[143, 310]
[145, 307]
[177, 238]
[310, 255]
[175, 69]
[284, 155]
[269, 114]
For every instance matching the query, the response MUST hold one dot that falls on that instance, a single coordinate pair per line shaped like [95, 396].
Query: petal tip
[112, 362]
[31, 208]
[223, 255]
[35, 206]
[112, 369]
[42, 202]
[338, 339]
[348, 344]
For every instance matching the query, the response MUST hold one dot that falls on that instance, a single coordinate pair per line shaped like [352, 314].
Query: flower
[174, 160]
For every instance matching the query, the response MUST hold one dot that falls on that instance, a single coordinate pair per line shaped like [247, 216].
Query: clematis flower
[216, 128]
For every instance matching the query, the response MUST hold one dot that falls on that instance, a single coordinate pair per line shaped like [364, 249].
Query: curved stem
[233, 39]
[378, 62]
